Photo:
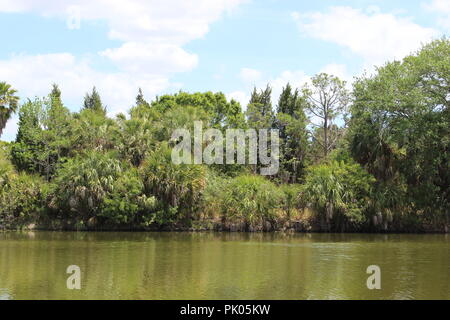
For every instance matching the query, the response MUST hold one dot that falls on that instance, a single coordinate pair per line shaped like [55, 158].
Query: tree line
[371, 158]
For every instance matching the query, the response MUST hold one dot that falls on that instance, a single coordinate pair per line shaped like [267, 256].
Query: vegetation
[8, 104]
[339, 191]
[251, 200]
[373, 159]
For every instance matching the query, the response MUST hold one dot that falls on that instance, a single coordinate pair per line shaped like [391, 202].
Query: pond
[143, 265]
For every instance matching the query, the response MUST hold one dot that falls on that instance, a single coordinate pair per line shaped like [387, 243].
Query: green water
[223, 266]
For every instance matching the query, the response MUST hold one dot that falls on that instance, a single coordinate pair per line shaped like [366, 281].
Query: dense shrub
[21, 195]
[339, 191]
[250, 199]
[291, 199]
[126, 203]
[178, 188]
[22, 198]
[83, 182]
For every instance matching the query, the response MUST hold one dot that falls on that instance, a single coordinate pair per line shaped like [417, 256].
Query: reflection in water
[222, 265]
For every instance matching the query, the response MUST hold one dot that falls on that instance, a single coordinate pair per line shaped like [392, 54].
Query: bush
[22, 199]
[126, 203]
[250, 199]
[178, 188]
[291, 198]
[21, 195]
[339, 191]
[83, 182]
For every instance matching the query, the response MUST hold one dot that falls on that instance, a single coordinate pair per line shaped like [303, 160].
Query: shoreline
[221, 229]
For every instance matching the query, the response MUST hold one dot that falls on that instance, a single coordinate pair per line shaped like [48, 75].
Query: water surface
[138, 265]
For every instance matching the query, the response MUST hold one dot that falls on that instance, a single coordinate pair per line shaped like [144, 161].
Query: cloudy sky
[200, 45]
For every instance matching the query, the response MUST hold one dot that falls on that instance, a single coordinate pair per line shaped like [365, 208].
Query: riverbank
[216, 225]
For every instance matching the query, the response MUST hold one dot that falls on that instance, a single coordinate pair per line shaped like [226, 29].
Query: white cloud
[296, 79]
[150, 58]
[170, 21]
[9, 133]
[10, 6]
[340, 71]
[374, 36]
[250, 76]
[33, 76]
[373, 9]
[442, 9]
[439, 5]
[153, 33]
[242, 97]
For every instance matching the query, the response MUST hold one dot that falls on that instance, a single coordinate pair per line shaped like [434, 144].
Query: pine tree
[291, 122]
[259, 110]
[55, 95]
[140, 100]
[93, 102]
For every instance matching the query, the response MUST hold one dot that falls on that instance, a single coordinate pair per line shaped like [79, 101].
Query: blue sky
[221, 45]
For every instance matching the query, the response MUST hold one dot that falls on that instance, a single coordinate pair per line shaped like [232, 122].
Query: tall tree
[399, 131]
[55, 95]
[43, 137]
[327, 99]
[260, 115]
[140, 100]
[8, 104]
[93, 102]
[291, 122]
[259, 110]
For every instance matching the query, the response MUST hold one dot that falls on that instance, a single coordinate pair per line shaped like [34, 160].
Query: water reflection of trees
[222, 265]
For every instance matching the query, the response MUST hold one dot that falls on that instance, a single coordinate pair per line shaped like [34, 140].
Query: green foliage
[22, 197]
[92, 130]
[291, 200]
[326, 99]
[180, 117]
[178, 188]
[93, 102]
[212, 200]
[259, 110]
[42, 139]
[140, 100]
[221, 112]
[8, 104]
[250, 199]
[134, 139]
[339, 191]
[291, 122]
[385, 169]
[126, 202]
[98, 186]
[400, 129]
[6, 166]
[83, 182]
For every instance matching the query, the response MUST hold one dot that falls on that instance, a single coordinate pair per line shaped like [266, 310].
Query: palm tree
[176, 185]
[8, 104]
[86, 180]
